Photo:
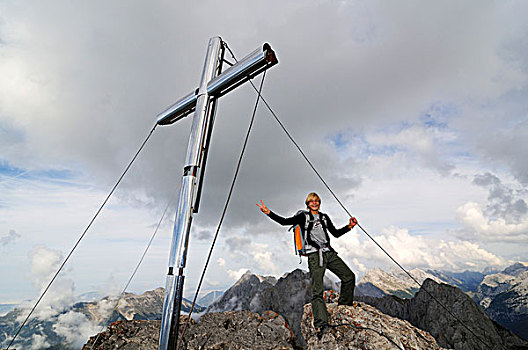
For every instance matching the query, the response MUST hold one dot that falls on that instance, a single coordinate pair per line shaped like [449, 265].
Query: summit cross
[213, 84]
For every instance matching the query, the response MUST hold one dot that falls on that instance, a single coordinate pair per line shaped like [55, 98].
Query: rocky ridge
[226, 330]
[504, 297]
[364, 327]
[286, 296]
[356, 328]
[425, 313]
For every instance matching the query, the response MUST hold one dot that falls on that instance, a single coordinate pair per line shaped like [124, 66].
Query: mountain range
[287, 295]
[499, 296]
[502, 295]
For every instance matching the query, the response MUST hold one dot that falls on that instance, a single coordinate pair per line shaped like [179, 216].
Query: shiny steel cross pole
[182, 225]
[202, 101]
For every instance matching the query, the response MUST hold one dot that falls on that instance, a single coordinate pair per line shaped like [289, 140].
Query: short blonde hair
[311, 196]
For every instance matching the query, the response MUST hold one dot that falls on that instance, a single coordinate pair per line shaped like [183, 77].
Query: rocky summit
[364, 327]
[360, 327]
[224, 330]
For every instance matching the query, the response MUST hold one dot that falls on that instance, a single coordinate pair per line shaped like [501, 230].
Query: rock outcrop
[355, 328]
[239, 330]
[425, 313]
[126, 335]
[504, 296]
[287, 296]
[364, 327]
[225, 330]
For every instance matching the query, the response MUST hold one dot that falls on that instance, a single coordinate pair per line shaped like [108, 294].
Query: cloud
[390, 84]
[418, 251]
[39, 341]
[503, 201]
[238, 243]
[260, 256]
[60, 296]
[9, 238]
[504, 218]
[212, 283]
[75, 327]
[236, 274]
[408, 145]
[479, 226]
[378, 95]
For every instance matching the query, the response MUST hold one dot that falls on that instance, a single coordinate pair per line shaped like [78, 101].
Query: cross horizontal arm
[247, 68]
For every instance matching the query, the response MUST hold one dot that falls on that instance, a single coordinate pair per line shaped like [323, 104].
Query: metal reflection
[247, 68]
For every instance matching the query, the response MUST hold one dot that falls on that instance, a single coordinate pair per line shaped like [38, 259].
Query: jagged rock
[425, 313]
[226, 330]
[126, 335]
[244, 294]
[510, 308]
[504, 296]
[286, 296]
[468, 281]
[239, 330]
[364, 327]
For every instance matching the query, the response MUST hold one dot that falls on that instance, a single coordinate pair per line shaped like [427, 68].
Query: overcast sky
[414, 112]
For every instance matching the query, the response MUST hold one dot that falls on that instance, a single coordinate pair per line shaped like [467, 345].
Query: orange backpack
[299, 238]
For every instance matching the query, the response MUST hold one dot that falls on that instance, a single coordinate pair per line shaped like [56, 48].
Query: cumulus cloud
[260, 256]
[75, 327]
[416, 143]
[55, 306]
[236, 274]
[418, 251]
[350, 88]
[504, 218]
[503, 200]
[480, 226]
[9, 238]
[60, 296]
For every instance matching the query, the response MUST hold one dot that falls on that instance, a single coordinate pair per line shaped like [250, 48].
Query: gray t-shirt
[317, 233]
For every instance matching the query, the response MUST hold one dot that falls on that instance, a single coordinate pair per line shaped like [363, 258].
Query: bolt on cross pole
[213, 84]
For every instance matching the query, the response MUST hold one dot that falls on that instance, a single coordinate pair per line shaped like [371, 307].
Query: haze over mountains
[503, 296]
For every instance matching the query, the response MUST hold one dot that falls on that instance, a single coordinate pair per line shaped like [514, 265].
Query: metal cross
[213, 84]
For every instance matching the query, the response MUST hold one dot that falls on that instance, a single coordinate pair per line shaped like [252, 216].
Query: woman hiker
[321, 255]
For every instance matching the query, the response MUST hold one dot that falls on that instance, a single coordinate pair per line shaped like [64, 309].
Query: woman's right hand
[263, 207]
